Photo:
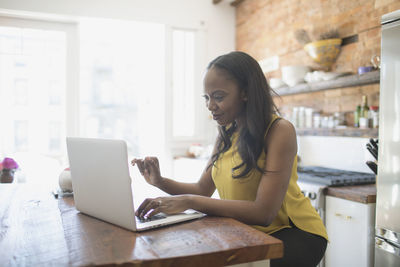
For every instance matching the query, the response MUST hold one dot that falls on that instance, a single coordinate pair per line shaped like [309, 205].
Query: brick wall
[265, 28]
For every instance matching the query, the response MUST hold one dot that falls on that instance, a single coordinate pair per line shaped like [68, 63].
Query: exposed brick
[351, 91]
[333, 93]
[383, 3]
[348, 103]
[266, 28]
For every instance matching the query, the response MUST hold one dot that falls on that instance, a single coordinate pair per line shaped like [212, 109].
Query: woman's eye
[218, 98]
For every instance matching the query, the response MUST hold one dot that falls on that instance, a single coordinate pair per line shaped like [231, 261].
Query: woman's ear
[244, 96]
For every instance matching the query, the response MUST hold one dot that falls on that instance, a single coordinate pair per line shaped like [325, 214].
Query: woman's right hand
[150, 169]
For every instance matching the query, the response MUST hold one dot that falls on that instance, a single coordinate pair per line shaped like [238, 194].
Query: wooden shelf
[347, 132]
[341, 82]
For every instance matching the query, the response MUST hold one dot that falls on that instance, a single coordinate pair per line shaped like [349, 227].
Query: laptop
[102, 184]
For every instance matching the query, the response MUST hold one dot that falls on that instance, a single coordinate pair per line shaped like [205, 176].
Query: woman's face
[223, 96]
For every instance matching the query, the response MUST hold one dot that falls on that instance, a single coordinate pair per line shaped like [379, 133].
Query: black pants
[301, 249]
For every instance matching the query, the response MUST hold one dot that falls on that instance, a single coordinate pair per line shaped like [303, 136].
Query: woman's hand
[150, 169]
[167, 205]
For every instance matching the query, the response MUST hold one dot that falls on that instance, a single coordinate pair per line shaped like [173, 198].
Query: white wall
[218, 20]
[346, 153]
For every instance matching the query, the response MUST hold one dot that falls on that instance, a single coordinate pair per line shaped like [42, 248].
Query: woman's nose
[211, 105]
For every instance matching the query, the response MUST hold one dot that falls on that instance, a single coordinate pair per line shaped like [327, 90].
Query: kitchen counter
[359, 193]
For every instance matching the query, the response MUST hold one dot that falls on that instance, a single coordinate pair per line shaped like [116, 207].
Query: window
[21, 133]
[183, 82]
[118, 88]
[33, 85]
[32, 61]
[122, 83]
[187, 115]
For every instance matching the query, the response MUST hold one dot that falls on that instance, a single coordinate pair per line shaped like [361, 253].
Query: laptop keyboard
[154, 218]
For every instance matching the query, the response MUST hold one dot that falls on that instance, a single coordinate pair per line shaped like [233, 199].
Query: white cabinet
[189, 170]
[351, 231]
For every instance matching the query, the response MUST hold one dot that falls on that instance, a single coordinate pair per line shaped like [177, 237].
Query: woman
[253, 166]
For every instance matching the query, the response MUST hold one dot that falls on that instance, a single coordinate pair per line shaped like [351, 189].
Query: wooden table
[38, 230]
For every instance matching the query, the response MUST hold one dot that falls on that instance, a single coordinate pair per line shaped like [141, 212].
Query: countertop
[359, 193]
[38, 230]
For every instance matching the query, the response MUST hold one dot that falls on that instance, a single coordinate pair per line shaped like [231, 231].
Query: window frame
[178, 145]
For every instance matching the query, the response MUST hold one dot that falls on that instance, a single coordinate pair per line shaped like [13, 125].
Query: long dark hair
[259, 108]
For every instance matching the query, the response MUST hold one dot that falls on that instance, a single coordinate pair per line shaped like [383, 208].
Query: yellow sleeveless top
[295, 205]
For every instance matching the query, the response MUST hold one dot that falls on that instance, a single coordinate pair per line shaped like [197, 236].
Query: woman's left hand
[167, 205]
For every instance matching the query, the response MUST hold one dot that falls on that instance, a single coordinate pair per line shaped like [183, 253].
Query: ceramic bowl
[293, 75]
[324, 52]
[65, 180]
[276, 83]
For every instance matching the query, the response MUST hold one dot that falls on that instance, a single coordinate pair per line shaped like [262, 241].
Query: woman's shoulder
[280, 124]
[280, 129]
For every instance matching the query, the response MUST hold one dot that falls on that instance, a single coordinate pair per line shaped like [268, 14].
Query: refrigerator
[387, 231]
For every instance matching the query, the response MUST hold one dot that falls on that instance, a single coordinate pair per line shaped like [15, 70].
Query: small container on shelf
[374, 115]
[309, 117]
[317, 120]
[364, 123]
[331, 122]
[324, 121]
[295, 116]
[357, 116]
[339, 119]
[302, 117]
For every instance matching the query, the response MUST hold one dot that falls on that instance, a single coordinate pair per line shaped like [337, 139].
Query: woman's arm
[282, 148]
[150, 169]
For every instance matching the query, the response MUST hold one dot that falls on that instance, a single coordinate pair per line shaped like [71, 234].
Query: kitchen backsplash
[346, 153]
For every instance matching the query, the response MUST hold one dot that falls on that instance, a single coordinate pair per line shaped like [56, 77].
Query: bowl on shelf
[293, 75]
[324, 52]
[276, 83]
